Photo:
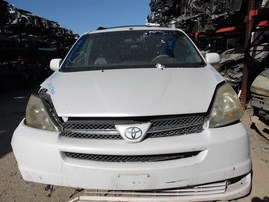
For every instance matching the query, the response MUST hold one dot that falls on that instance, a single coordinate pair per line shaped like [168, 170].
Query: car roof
[132, 27]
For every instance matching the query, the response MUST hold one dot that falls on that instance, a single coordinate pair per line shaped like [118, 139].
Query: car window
[132, 49]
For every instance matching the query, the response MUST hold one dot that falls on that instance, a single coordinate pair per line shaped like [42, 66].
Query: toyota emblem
[133, 133]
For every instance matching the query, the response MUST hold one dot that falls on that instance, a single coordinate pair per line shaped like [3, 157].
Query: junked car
[138, 112]
[260, 102]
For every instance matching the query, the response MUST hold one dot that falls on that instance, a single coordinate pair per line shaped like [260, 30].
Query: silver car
[136, 113]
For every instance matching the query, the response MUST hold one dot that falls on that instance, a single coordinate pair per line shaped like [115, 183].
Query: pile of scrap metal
[27, 43]
[231, 67]
[201, 15]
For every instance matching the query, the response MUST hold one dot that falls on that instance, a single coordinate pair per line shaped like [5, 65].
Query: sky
[86, 15]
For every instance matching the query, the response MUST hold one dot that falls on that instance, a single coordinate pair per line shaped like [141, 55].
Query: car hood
[132, 92]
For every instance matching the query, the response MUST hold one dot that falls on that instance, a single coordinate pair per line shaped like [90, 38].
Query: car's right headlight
[226, 107]
[39, 116]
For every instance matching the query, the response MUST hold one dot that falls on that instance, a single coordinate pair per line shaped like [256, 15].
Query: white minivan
[138, 114]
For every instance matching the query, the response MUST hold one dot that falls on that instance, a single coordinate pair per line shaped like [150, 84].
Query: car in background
[136, 113]
[260, 102]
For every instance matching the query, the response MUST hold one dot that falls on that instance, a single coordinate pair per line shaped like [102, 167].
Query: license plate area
[134, 181]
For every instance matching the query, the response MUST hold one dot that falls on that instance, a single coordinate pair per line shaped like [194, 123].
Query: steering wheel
[160, 58]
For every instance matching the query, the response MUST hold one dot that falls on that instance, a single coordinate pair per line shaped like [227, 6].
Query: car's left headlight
[39, 116]
[226, 107]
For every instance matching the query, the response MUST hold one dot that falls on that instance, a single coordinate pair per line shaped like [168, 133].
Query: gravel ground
[14, 188]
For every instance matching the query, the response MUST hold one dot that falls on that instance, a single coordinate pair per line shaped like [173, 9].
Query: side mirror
[212, 58]
[55, 64]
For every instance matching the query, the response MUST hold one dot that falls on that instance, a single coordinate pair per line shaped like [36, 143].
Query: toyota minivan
[136, 113]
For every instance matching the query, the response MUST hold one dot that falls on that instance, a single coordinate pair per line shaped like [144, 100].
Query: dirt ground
[14, 188]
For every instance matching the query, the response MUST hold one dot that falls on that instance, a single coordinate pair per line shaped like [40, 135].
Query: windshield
[132, 49]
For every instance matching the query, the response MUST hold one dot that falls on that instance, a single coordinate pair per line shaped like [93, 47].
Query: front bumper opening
[222, 190]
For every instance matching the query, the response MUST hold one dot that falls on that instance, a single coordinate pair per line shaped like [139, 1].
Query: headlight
[226, 107]
[38, 115]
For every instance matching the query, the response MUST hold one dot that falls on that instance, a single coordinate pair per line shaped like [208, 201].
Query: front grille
[129, 158]
[90, 136]
[160, 126]
[88, 125]
[181, 121]
[186, 130]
